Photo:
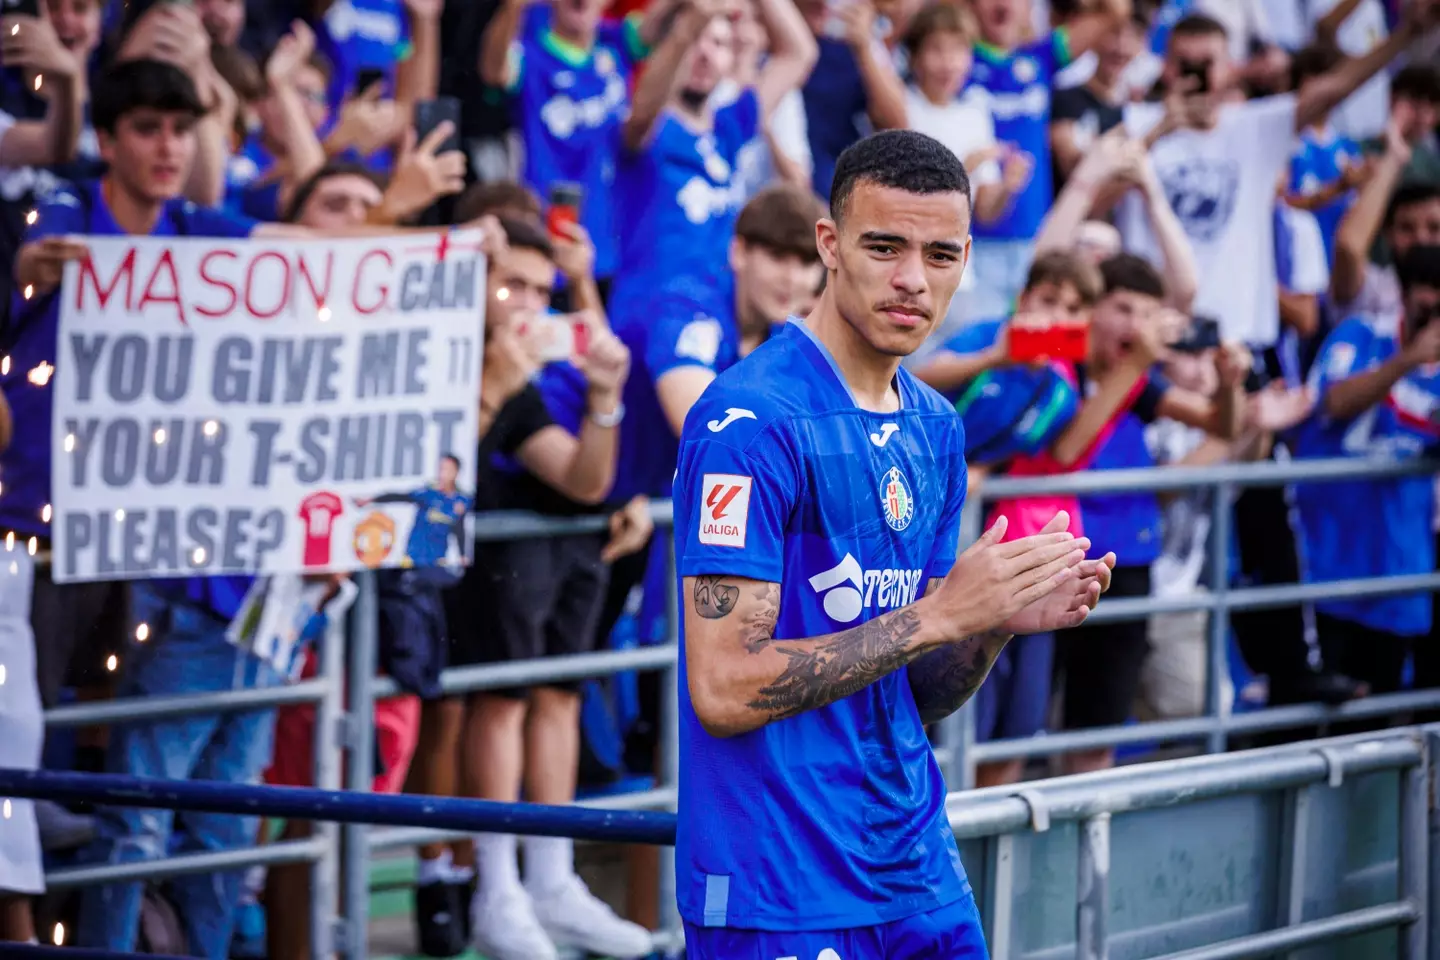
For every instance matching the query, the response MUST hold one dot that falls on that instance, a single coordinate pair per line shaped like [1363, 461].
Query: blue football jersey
[569, 106]
[1017, 85]
[689, 323]
[683, 194]
[834, 818]
[1370, 528]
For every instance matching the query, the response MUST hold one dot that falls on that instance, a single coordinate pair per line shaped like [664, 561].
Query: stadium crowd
[1204, 231]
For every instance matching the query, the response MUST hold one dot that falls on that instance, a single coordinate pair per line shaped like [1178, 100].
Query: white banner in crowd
[266, 406]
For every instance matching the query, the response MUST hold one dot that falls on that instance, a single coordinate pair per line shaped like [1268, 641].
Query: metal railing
[998, 818]
[956, 745]
[344, 729]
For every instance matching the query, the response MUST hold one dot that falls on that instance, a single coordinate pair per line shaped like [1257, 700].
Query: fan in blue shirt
[826, 616]
[678, 180]
[1378, 394]
[698, 326]
[568, 75]
[359, 36]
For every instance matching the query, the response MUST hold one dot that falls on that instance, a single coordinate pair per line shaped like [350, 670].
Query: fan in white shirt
[1219, 163]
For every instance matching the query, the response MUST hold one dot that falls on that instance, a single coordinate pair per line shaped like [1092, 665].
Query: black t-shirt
[523, 416]
[1092, 116]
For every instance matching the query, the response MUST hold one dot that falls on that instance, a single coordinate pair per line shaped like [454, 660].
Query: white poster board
[238, 407]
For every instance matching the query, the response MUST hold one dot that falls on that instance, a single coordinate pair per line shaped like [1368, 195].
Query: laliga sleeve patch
[700, 340]
[724, 510]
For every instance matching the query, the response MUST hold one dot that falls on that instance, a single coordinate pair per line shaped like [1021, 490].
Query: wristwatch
[611, 419]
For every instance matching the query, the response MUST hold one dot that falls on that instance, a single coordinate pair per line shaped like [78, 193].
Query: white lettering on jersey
[847, 589]
[724, 509]
[563, 115]
[700, 199]
[883, 437]
[731, 415]
[700, 340]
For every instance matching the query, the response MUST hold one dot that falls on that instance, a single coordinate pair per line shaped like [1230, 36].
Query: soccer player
[439, 510]
[827, 618]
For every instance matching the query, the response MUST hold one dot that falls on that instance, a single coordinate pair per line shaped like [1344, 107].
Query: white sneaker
[504, 927]
[575, 917]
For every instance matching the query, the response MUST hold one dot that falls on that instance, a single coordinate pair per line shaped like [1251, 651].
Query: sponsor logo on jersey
[848, 589]
[725, 509]
[895, 499]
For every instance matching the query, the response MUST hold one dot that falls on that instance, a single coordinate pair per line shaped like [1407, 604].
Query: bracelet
[609, 420]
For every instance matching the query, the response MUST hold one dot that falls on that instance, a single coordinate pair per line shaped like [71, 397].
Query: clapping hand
[998, 585]
[1070, 602]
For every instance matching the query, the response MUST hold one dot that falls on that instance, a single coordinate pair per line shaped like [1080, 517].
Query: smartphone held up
[1038, 337]
[564, 210]
[556, 337]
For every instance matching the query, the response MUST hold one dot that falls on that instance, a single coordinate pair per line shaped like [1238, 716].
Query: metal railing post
[670, 735]
[329, 715]
[1415, 850]
[1219, 647]
[1092, 889]
[360, 740]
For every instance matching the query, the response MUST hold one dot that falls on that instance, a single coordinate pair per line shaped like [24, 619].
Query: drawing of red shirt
[318, 512]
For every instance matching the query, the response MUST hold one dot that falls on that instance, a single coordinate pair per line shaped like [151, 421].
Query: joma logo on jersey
[847, 589]
[725, 509]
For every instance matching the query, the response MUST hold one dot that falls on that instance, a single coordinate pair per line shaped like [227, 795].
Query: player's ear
[737, 247]
[827, 242]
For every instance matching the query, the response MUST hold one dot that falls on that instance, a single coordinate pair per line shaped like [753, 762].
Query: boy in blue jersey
[1125, 392]
[818, 497]
[1018, 77]
[568, 75]
[699, 326]
[1379, 394]
[678, 168]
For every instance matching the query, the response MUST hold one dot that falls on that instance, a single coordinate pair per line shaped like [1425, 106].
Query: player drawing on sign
[826, 616]
[439, 516]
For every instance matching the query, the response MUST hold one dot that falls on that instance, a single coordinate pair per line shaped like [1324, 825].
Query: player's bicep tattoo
[714, 598]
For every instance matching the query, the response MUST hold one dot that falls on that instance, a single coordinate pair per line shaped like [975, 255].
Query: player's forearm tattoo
[831, 668]
[942, 680]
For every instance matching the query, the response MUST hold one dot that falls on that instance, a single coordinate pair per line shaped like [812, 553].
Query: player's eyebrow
[895, 240]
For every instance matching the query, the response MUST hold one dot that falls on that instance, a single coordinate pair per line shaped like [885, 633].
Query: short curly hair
[899, 159]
